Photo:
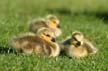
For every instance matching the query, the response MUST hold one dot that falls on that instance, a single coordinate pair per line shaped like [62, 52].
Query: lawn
[15, 14]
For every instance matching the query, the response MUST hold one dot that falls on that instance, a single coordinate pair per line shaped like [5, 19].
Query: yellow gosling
[43, 43]
[77, 46]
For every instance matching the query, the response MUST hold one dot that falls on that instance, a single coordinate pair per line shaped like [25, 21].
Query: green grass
[14, 15]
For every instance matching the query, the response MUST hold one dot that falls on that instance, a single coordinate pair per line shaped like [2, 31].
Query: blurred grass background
[87, 16]
[74, 6]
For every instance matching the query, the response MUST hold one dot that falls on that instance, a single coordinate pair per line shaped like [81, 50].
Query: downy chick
[77, 46]
[54, 23]
[50, 21]
[44, 43]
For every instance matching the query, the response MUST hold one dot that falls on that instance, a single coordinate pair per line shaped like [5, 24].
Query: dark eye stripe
[75, 38]
[48, 35]
[58, 26]
[54, 21]
[44, 33]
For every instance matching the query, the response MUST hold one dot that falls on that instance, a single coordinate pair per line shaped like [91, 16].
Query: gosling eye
[48, 35]
[54, 21]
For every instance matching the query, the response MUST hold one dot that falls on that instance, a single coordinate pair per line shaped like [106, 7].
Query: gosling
[77, 46]
[50, 21]
[43, 43]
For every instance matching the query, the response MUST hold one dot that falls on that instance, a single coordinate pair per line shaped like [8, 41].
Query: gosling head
[77, 38]
[47, 35]
[52, 21]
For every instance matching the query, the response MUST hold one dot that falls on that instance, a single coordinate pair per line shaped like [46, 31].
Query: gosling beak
[78, 43]
[53, 40]
[58, 26]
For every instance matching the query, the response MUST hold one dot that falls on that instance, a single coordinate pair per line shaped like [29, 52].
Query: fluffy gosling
[51, 21]
[77, 46]
[43, 43]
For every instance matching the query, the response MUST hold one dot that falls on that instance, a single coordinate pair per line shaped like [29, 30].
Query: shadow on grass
[63, 11]
[103, 15]
[5, 50]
